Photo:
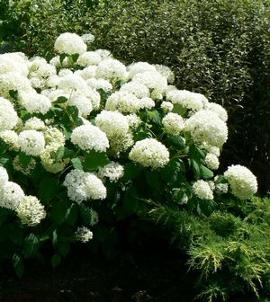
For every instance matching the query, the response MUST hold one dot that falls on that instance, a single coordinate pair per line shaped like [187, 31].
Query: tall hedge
[217, 47]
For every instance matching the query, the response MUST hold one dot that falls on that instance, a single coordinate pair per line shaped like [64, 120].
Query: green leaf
[88, 215]
[56, 260]
[196, 168]
[60, 100]
[205, 172]
[18, 265]
[60, 153]
[58, 211]
[63, 248]
[77, 164]
[71, 214]
[48, 188]
[94, 160]
[154, 116]
[31, 245]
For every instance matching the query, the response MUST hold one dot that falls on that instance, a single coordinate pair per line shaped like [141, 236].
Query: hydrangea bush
[87, 142]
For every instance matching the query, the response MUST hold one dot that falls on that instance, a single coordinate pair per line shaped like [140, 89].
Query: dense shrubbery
[218, 48]
[88, 144]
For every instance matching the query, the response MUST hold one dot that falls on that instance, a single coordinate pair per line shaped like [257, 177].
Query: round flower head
[122, 101]
[13, 81]
[121, 144]
[89, 58]
[206, 127]
[146, 103]
[89, 137]
[54, 136]
[187, 99]
[13, 62]
[219, 110]
[49, 161]
[70, 43]
[221, 188]
[35, 102]
[173, 123]
[83, 234]
[166, 72]
[82, 103]
[72, 82]
[82, 186]
[152, 80]
[30, 211]
[138, 89]
[113, 123]
[31, 142]
[111, 69]
[11, 138]
[88, 38]
[133, 120]
[166, 106]
[242, 181]
[113, 171]
[3, 177]
[203, 190]
[8, 116]
[34, 123]
[139, 67]
[150, 153]
[104, 53]
[212, 161]
[87, 73]
[99, 84]
[11, 194]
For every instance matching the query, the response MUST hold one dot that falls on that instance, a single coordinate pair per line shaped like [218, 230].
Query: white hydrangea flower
[211, 161]
[111, 69]
[187, 99]
[82, 186]
[72, 82]
[173, 123]
[83, 234]
[54, 94]
[70, 43]
[123, 102]
[89, 137]
[54, 136]
[35, 102]
[65, 72]
[121, 144]
[31, 142]
[11, 138]
[88, 38]
[87, 73]
[150, 153]
[219, 110]
[3, 176]
[8, 115]
[30, 211]
[89, 58]
[153, 80]
[166, 106]
[13, 62]
[242, 181]
[11, 194]
[136, 88]
[133, 120]
[203, 190]
[113, 123]
[104, 53]
[114, 171]
[166, 72]
[139, 67]
[82, 103]
[13, 81]
[146, 103]
[34, 123]
[206, 127]
[99, 84]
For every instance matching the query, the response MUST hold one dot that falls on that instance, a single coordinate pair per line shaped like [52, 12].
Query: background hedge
[217, 47]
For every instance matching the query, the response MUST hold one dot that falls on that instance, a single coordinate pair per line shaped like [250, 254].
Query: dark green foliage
[231, 253]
